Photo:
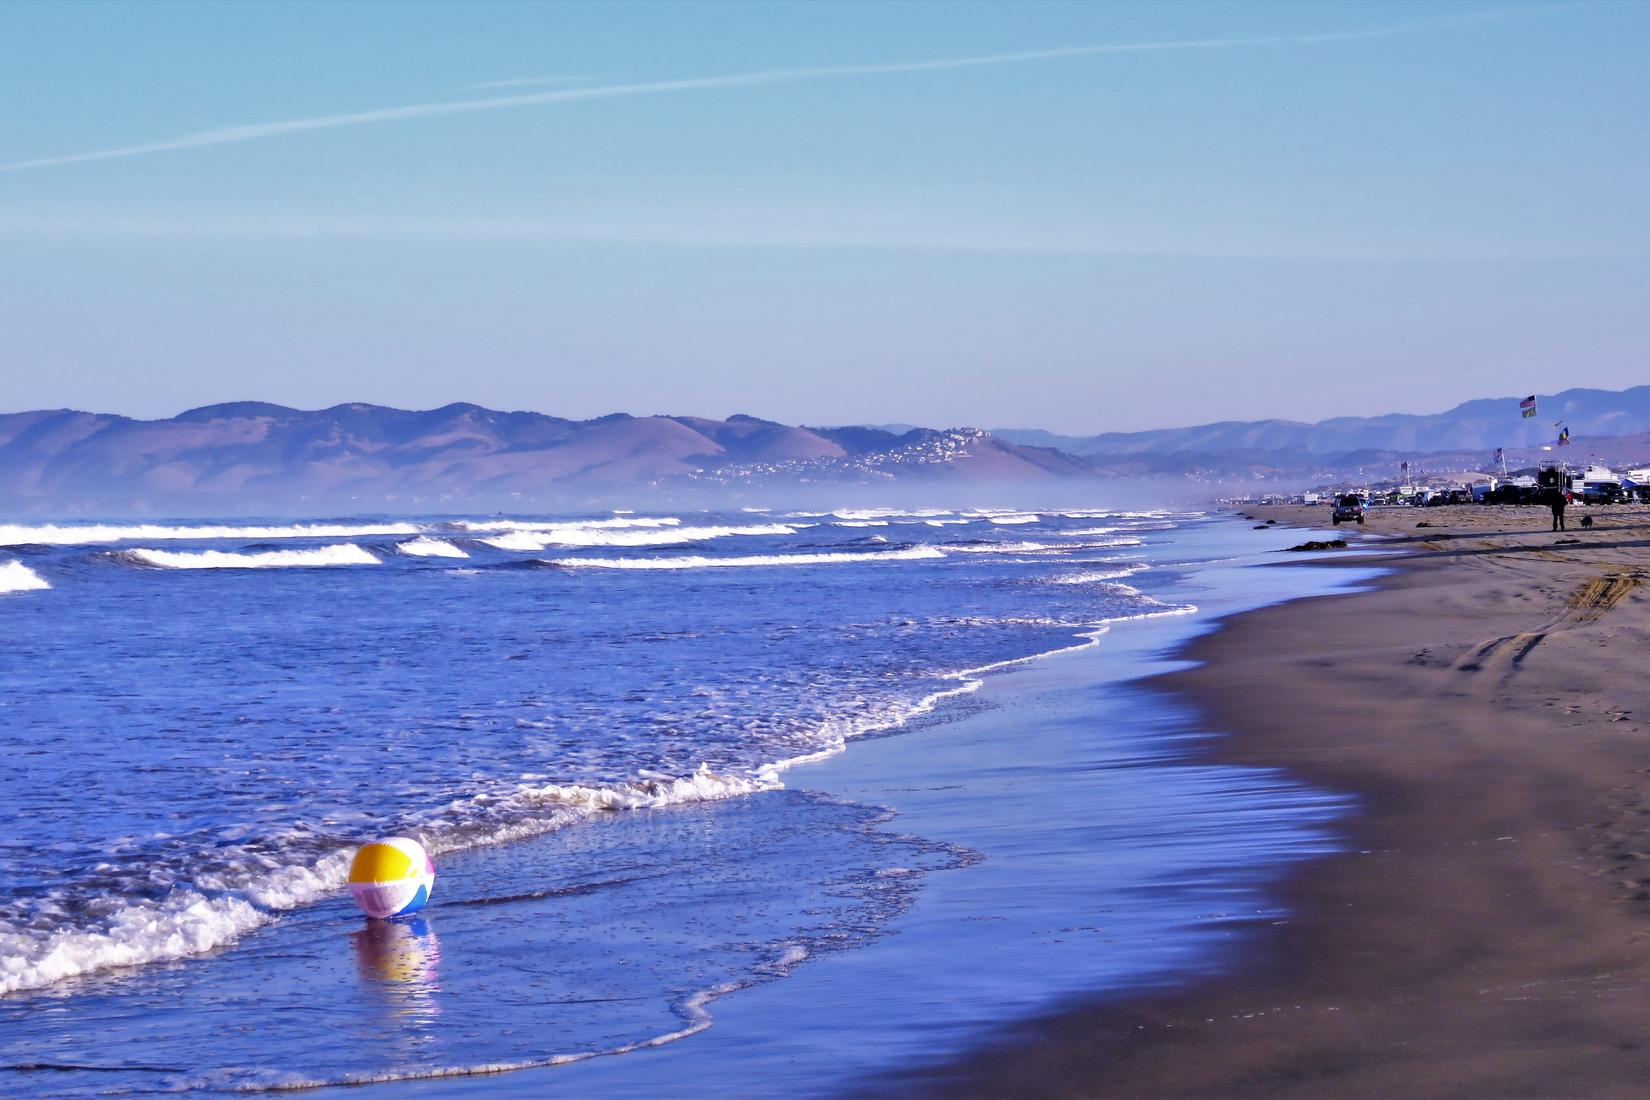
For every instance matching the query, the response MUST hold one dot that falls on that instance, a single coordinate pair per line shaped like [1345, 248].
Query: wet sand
[1487, 933]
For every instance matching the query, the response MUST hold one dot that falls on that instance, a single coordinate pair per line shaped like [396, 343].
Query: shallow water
[239, 710]
[1111, 860]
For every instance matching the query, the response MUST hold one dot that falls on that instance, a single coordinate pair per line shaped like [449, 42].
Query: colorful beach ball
[391, 877]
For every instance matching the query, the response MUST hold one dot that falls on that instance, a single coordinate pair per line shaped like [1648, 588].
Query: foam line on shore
[1099, 575]
[219, 908]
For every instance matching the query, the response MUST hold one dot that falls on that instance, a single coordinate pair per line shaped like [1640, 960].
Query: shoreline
[1013, 772]
[1485, 931]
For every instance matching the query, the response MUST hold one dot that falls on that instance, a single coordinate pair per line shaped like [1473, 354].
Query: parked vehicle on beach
[1348, 507]
[1599, 485]
[1508, 493]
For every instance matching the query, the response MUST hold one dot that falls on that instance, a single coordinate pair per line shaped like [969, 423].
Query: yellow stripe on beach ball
[382, 861]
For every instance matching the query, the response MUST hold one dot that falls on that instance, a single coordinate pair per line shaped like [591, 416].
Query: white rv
[1598, 485]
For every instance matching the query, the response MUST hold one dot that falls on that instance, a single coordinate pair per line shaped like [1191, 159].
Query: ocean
[609, 731]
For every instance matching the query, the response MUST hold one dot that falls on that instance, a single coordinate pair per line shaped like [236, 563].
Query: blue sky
[1077, 216]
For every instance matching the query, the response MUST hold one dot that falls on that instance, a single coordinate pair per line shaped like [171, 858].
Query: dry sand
[1488, 933]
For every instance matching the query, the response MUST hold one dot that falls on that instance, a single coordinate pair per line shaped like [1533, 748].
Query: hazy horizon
[725, 415]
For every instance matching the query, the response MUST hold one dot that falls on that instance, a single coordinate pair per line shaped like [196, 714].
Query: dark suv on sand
[1348, 507]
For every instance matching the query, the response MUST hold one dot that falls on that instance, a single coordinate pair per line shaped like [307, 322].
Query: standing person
[1556, 499]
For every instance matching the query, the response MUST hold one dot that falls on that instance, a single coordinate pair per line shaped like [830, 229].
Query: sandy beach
[1486, 932]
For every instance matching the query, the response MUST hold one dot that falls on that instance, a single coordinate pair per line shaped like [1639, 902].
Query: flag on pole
[1528, 407]
[1499, 456]
[1564, 438]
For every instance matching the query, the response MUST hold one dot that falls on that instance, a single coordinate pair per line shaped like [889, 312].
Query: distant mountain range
[254, 457]
[1473, 425]
[250, 456]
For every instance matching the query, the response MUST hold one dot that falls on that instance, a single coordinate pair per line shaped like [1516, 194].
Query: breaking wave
[221, 907]
[343, 554]
[579, 535]
[425, 547]
[914, 553]
[617, 523]
[1001, 547]
[889, 513]
[17, 577]
[56, 535]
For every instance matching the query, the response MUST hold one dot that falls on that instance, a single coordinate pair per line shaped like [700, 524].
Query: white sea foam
[651, 791]
[861, 523]
[1015, 519]
[342, 554]
[542, 539]
[890, 513]
[911, 554]
[211, 912]
[72, 535]
[517, 540]
[1099, 539]
[1157, 606]
[617, 523]
[425, 547]
[185, 923]
[17, 577]
[219, 908]
[1000, 547]
[1096, 576]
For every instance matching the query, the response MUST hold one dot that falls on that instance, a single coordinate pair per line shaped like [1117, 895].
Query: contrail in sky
[256, 131]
